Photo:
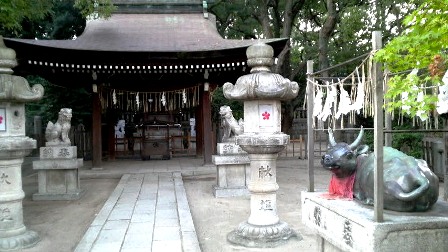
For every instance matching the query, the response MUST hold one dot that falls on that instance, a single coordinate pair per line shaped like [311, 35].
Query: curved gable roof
[148, 33]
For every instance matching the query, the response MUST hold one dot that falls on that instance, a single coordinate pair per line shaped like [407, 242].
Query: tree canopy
[19, 18]
[423, 46]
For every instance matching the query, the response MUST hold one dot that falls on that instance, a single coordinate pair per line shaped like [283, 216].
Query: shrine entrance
[151, 61]
[151, 125]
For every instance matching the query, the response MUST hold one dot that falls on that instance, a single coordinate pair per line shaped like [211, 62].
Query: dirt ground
[61, 224]
[214, 217]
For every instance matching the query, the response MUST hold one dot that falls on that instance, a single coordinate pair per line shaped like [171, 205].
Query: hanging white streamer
[344, 102]
[114, 98]
[184, 96]
[421, 113]
[360, 94]
[317, 109]
[442, 102]
[163, 99]
[329, 100]
[137, 101]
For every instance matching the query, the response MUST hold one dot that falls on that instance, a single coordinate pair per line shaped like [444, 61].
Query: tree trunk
[325, 35]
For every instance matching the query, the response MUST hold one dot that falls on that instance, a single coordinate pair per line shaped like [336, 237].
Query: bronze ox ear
[362, 149]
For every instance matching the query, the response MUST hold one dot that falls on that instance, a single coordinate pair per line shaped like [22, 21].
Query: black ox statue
[409, 185]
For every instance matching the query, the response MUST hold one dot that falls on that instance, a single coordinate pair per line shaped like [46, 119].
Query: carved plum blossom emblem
[2, 119]
[266, 115]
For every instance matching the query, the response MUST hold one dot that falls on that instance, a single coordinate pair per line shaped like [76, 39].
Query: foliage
[55, 98]
[16, 16]
[423, 43]
[13, 12]
[63, 21]
[95, 8]
[219, 100]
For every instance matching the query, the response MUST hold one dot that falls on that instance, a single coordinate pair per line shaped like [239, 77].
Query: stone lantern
[14, 146]
[262, 93]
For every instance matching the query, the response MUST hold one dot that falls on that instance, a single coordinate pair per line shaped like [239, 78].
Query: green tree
[330, 31]
[53, 19]
[422, 45]
[16, 14]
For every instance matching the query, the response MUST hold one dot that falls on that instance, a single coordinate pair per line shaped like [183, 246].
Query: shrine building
[153, 64]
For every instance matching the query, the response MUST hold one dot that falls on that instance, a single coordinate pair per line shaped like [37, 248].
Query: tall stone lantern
[14, 146]
[262, 92]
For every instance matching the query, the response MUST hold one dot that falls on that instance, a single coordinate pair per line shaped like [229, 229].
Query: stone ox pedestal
[343, 225]
[58, 173]
[232, 171]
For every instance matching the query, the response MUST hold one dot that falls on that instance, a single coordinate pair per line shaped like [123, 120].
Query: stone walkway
[148, 211]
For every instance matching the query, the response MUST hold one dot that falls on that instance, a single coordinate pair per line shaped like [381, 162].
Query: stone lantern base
[18, 242]
[254, 236]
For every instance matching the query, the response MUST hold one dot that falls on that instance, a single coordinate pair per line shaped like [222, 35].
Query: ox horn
[331, 137]
[357, 140]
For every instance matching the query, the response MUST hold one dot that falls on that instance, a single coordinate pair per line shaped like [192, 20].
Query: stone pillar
[262, 139]
[14, 146]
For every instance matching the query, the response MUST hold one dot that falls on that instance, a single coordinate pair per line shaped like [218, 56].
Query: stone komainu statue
[57, 133]
[230, 125]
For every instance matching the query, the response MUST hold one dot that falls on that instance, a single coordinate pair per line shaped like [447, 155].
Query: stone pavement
[147, 211]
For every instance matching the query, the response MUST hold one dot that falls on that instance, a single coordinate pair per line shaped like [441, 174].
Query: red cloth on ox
[340, 188]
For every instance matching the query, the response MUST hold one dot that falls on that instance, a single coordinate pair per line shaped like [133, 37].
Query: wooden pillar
[310, 128]
[199, 130]
[96, 131]
[207, 127]
[377, 81]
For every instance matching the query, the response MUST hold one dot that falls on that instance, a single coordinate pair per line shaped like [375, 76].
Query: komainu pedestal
[58, 167]
[58, 173]
[232, 171]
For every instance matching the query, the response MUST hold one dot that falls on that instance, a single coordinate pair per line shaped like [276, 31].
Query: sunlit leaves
[426, 36]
